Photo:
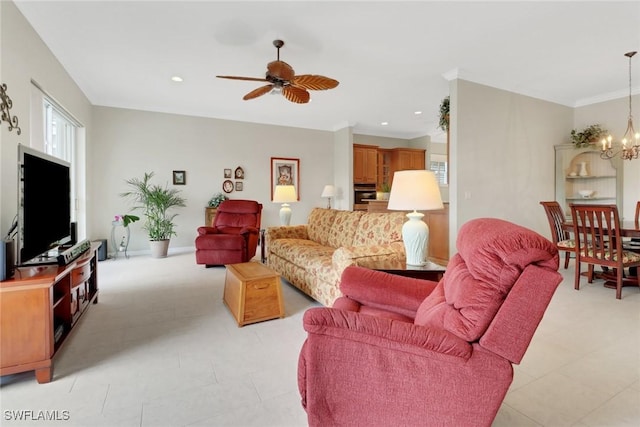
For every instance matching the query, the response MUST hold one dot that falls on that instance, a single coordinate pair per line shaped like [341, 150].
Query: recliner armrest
[386, 333]
[207, 230]
[385, 291]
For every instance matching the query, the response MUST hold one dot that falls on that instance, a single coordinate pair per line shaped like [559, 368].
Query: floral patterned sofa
[312, 256]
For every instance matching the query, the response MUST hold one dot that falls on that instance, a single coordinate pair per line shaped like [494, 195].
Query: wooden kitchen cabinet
[365, 164]
[407, 159]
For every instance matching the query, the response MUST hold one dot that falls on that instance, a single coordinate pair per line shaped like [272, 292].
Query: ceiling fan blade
[280, 70]
[258, 92]
[296, 94]
[253, 79]
[314, 82]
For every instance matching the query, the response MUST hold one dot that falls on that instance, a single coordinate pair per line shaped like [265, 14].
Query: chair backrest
[496, 260]
[556, 219]
[597, 233]
[238, 213]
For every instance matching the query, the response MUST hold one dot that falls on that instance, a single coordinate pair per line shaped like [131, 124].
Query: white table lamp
[328, 192]
[415, 190]
[285, 194]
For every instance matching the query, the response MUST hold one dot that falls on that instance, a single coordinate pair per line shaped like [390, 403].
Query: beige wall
[502, 155]
[130, 142]
[25, 57]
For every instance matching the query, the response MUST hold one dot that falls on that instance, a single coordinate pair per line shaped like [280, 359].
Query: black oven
[363, 192]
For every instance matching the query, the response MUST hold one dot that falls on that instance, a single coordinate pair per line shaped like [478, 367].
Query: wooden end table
[252, 293]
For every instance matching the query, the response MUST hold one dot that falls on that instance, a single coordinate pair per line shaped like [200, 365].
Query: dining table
[628, 228]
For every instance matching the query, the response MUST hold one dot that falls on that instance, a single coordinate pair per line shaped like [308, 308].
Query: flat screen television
[44, 205]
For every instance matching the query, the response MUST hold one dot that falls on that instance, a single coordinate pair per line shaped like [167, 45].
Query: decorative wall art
[285, 171]
[227, 186]
[179, 177]
[227, 173]
[239, 185]
[239, 173]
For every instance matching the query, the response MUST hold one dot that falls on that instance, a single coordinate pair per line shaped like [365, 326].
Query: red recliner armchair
[401, 351]
[233, 236]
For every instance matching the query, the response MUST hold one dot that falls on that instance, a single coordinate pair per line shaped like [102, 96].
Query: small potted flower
[126, 219]
[217, 198]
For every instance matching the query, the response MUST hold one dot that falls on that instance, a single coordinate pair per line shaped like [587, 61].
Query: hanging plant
[444, 114]
[588, 136]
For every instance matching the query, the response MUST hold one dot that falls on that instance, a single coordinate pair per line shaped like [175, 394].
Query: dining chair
[599, 242]
[560, 237]
[633, 245]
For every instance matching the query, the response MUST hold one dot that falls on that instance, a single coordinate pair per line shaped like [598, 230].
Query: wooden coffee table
[252, 293]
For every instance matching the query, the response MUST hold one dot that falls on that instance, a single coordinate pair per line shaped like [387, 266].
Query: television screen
[44, 214]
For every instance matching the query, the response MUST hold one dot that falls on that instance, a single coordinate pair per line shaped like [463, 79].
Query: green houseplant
[217, 198]
[444, 114]
[155, 201]
[588, 136]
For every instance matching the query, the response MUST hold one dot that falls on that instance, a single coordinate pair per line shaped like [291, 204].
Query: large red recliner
[233, 236]
[398, 351]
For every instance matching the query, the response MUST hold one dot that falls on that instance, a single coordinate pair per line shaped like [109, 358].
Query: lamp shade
[285, 194]
[415, 190]
[328, 191]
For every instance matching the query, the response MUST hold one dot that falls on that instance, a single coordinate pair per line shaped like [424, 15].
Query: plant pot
[159, 248]
[382, 195]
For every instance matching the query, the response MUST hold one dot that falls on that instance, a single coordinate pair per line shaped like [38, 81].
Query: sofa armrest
[287, 232]
[386, 333]
[375, 256]
[398, 294]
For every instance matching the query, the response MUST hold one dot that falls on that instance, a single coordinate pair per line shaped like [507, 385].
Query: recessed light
[417, 113]
[176, 78]
[384, 123]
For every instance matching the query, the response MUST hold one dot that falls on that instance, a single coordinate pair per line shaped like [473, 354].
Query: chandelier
[630, 144]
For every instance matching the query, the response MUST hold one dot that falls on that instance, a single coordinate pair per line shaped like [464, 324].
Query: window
[60, 140]
[440, 169]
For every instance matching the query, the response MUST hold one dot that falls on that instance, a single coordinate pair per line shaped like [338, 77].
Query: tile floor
[161, 349]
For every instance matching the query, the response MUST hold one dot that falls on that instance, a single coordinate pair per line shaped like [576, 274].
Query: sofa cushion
[301, 252]
[480, 276]
[343, 228]
[319, 224]
[379, 229]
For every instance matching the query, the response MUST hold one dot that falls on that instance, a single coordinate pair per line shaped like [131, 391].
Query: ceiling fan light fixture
[283, 80]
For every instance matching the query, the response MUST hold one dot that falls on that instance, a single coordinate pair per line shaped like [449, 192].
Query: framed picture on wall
[285, 171]
[227, 173]
[239, 186]
[179, 178]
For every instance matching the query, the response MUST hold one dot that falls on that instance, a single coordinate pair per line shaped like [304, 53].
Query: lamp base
[285, 214]
[415, 235]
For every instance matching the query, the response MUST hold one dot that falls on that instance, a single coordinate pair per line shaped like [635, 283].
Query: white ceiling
[391, 58]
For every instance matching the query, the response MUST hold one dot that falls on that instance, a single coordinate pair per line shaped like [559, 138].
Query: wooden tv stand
[39, 307]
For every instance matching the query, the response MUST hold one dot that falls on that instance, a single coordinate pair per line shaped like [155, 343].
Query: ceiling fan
[282, 78]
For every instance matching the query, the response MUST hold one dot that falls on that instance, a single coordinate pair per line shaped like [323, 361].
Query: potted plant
[217, 198]
[444, 114]
[588, 136]
[155, 201]
[385, 190]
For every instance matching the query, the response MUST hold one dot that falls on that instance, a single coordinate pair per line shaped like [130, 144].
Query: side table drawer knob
[261, 286]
